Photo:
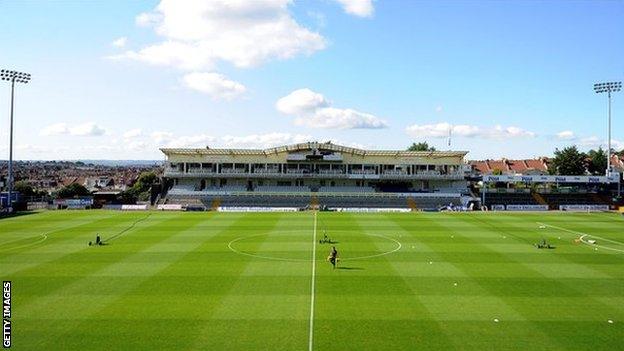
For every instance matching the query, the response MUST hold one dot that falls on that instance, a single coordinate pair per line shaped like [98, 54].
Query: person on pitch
[325, 239]
[333, 256]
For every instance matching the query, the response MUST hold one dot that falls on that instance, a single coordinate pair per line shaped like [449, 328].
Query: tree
[127, 197]
[421, 147]
[597, 161]
[140, 190]
[569, 161]
[145, 181]
[497, 171]
[28, 191]
[72, 190]
[24, 188]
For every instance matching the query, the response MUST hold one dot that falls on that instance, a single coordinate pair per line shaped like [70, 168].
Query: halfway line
[311, 337]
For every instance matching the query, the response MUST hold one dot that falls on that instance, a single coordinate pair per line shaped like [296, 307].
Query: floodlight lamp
[14, 76]
[607, 87]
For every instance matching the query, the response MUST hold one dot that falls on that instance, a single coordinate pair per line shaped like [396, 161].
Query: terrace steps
[216, 202]
[411, 203]
[539, 199]
[314, 202]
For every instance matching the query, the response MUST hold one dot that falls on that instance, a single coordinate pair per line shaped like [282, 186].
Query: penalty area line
[596, 245]
[311, 335]
[582, 236]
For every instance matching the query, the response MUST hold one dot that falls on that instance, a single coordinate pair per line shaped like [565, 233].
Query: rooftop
[311, 146]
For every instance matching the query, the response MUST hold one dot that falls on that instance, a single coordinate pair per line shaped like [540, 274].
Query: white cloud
[360, 8]
[55, 129]
[133, 133]
[170, 53]
[137, 146]
[85, 129]
[301, 101]
[263, 140]
[438, 109]
[199, 140]
[30, 148]
[319, 18]
[349, 144]
[161, 136]
[165, 139]
[198, 34]
[465, 130]
[313, 110]
[592, 142]
[214, 84]
[566, 135]
[120, 42]
[510, 132]
[595, 142]
[441, 130]
[336, 118]
[147, 19]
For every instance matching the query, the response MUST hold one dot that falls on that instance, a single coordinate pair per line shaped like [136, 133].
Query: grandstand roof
[311, 146]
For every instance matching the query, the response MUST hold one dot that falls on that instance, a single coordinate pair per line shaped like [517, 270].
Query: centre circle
[237, 245]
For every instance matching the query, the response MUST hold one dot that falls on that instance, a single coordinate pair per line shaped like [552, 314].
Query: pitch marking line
[399, 246]
[311, 336]
[583, 235]
[43, 238]
[231, 245]
[235, 250]
[596, 245]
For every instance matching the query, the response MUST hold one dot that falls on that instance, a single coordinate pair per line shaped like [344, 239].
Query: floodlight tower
[13, 77]
[608, 87]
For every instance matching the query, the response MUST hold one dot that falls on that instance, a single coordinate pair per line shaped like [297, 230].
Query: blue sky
[118, 79]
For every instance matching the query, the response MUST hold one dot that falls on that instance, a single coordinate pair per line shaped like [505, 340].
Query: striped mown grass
[242, 281]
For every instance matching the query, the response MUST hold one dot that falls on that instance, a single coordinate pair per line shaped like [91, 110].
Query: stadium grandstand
[549, 192]
[314, 174]
[536, 166]
[527, 184]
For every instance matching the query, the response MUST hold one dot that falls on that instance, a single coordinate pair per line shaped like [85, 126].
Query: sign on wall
[549, 179]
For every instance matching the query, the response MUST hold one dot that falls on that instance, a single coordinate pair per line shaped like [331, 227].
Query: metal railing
[320, 174]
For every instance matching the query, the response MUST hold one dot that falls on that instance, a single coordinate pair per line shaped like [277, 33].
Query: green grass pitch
[243, 281]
